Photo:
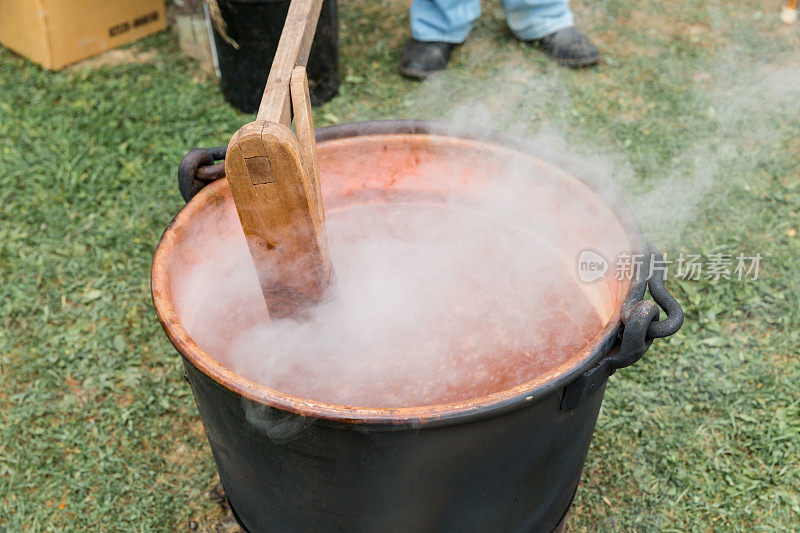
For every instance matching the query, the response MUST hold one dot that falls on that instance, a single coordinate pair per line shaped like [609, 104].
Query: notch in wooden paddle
[274, 179]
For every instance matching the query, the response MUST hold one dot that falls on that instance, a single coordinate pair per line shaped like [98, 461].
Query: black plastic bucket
[255, 26]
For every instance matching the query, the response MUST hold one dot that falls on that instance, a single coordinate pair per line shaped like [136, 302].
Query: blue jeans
[451, 20]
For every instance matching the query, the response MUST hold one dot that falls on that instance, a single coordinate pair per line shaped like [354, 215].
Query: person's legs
[550, 25]
[533, 19]
[446, 21]
[436, 27]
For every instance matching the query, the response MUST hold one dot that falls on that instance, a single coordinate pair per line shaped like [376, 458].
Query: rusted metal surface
[210, 173]
[506, 461]
[197, 169]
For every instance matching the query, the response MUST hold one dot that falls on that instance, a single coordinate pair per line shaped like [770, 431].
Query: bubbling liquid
[429, 304]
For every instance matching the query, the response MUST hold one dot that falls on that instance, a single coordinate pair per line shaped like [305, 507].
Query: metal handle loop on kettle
[197, 169]
[641, 327]
[658, 290]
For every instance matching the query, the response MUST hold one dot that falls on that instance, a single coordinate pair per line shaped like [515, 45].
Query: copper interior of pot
[385, 171]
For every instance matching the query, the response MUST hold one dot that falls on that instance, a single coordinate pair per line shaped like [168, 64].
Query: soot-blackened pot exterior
[517, 471]
[507, 462]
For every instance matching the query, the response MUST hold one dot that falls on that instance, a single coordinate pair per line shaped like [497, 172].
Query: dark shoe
[423, 58]
[570, 48]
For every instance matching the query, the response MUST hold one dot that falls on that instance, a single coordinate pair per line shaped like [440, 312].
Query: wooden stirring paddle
[274, 178]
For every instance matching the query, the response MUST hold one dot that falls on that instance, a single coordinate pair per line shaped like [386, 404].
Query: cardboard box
[55, 33]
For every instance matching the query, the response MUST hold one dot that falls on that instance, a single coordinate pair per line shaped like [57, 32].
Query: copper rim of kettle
[401, 417]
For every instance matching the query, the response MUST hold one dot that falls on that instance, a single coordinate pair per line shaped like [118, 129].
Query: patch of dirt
[188, 455]
[624, 31]
[220, 519]
[118, 56]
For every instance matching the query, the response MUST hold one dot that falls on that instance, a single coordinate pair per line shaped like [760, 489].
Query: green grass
[98, 428]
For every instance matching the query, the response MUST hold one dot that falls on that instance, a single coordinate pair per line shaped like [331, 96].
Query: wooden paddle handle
[274, 179]
[293, 49]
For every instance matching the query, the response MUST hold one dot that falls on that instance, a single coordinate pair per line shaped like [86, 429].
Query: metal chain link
[197, 169]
